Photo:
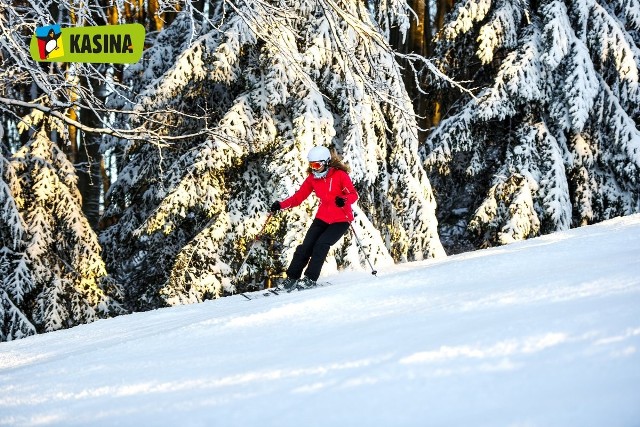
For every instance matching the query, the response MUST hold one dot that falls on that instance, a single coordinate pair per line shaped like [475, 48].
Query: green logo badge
[118, 44]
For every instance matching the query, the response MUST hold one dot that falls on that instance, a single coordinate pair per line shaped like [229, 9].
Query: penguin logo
[49, 42]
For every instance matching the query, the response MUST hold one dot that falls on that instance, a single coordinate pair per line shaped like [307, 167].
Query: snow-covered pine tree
[68, 277]
[552, 139]
[256, 87]
[15, 276]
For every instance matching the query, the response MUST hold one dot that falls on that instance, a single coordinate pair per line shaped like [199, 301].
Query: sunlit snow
[539, 333]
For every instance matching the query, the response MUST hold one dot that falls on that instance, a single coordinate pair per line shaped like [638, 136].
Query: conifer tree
[16, 280]
[66, 280]
[551, 139]
[257, 86]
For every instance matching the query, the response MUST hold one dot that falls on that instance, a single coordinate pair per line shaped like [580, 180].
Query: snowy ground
[540, 333]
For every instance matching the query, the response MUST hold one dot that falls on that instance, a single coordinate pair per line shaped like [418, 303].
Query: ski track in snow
[544, 332]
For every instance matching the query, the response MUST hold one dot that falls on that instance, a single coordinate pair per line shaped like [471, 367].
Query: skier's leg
[303, 252]
[331, 235]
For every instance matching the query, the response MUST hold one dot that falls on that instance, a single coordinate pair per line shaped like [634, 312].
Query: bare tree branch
[140, 134]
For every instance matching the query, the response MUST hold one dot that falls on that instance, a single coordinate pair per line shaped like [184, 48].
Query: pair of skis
[273, 291]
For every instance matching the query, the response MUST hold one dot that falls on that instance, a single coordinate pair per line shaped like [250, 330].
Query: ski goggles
[316, 166]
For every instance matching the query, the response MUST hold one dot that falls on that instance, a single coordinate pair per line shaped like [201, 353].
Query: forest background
[467, 124]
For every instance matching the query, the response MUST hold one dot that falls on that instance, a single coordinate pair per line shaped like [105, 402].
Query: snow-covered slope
[540, 333]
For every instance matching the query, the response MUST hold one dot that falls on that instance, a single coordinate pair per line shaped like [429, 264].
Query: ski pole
[366, 255]
[253, 243]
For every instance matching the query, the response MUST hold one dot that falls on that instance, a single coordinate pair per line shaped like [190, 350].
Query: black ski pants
[315, 247]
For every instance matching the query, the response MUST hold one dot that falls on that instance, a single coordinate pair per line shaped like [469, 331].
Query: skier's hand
[340, 201]
[275, 207]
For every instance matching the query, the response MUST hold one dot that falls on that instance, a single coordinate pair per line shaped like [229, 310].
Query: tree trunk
[88, 163]
[418, 41]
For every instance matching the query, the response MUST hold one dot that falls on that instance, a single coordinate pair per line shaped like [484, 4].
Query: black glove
[340, 201]
[275, 207]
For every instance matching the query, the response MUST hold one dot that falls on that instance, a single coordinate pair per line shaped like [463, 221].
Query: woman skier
[329, 179]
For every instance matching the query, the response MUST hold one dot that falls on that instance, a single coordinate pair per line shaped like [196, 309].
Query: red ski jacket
[335, 183]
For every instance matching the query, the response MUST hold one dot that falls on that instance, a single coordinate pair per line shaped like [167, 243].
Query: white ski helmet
[319, 154]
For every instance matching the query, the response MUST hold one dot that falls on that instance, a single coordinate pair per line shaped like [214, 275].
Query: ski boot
[305, 283]
[287, 284]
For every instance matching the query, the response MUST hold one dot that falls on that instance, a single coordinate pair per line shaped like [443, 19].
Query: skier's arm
[349, 192]
[305, 189]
